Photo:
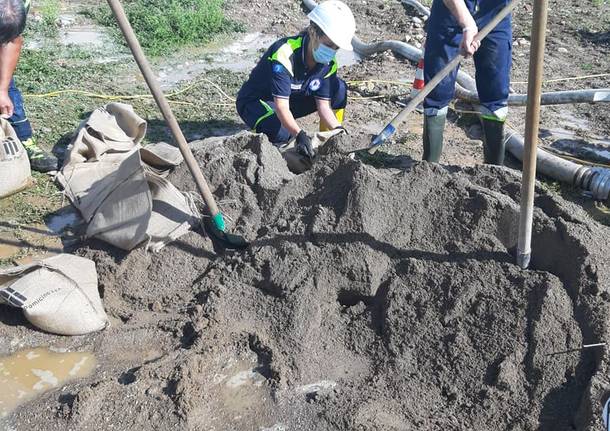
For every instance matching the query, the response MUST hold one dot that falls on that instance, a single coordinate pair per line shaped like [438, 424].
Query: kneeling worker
[298, 76]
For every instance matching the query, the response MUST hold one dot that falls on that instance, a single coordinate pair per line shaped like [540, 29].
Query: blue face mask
[324, 54]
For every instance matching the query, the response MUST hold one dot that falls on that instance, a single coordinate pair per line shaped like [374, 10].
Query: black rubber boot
[434, 126]
[40, 160]
[493, 141]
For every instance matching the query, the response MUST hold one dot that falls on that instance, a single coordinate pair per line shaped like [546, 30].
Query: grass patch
[31, 206]
[162, 25]
[59, 68]
[47, 24]
[587, 67]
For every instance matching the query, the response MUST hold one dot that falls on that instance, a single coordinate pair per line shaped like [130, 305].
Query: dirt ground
[377, 294]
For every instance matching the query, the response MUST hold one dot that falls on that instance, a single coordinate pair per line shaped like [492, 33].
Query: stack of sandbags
[57, 295]
[15, 171]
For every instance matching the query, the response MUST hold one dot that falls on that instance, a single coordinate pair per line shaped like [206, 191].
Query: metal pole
[532, 121]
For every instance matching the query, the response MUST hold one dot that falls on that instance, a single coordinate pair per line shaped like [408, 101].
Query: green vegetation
[49, 9]
[588, 67]
[163, 25]
[53, 69]
[49, 18]
[31, 206]
[55, 117]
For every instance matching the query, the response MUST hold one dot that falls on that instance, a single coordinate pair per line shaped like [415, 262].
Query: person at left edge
[12, 23]
[298, 76]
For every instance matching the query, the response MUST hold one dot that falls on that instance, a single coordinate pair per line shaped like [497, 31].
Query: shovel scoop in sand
[216, 225]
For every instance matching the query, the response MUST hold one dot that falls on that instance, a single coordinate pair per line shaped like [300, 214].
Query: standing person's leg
[19, 120]
[40, 160]
[493, 63]
[441, 48]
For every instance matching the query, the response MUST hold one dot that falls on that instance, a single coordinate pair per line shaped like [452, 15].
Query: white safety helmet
[337, 22]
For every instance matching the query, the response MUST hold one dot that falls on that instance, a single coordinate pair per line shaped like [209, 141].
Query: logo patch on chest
[315, 84]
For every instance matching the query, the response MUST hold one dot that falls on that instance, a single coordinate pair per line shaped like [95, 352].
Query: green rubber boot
[493, 141]
[434, 126]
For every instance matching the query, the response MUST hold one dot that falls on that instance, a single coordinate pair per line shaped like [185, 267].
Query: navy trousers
[260, 115]
[19, 120]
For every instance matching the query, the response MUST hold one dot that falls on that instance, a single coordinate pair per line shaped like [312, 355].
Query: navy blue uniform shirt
[282, 72]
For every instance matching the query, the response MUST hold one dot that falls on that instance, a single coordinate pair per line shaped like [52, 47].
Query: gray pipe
[417, 5]
[601, 95]
[594, 180]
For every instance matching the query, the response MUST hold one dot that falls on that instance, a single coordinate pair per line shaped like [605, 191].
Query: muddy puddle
[21, 244]
[63, 221]
[31, 372]
[77, 31]
[237, 55]
[85, 36]
[74, 33]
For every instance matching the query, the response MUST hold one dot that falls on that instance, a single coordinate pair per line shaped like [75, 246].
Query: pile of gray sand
[370, 299]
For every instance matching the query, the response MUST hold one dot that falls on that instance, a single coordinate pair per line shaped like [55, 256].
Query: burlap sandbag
[107, 180]
[115, 128]
[58, 294]
[15, 174]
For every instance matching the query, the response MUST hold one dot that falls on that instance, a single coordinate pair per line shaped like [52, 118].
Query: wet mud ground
[377, 294]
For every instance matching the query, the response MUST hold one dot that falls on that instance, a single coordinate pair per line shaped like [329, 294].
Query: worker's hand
[6, 105]
[469, 46]
[304, 146]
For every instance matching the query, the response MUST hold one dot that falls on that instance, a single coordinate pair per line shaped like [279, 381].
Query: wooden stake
[534, 91]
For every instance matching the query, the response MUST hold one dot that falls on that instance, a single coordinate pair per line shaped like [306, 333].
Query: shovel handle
[390, 129]
[155, 89]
